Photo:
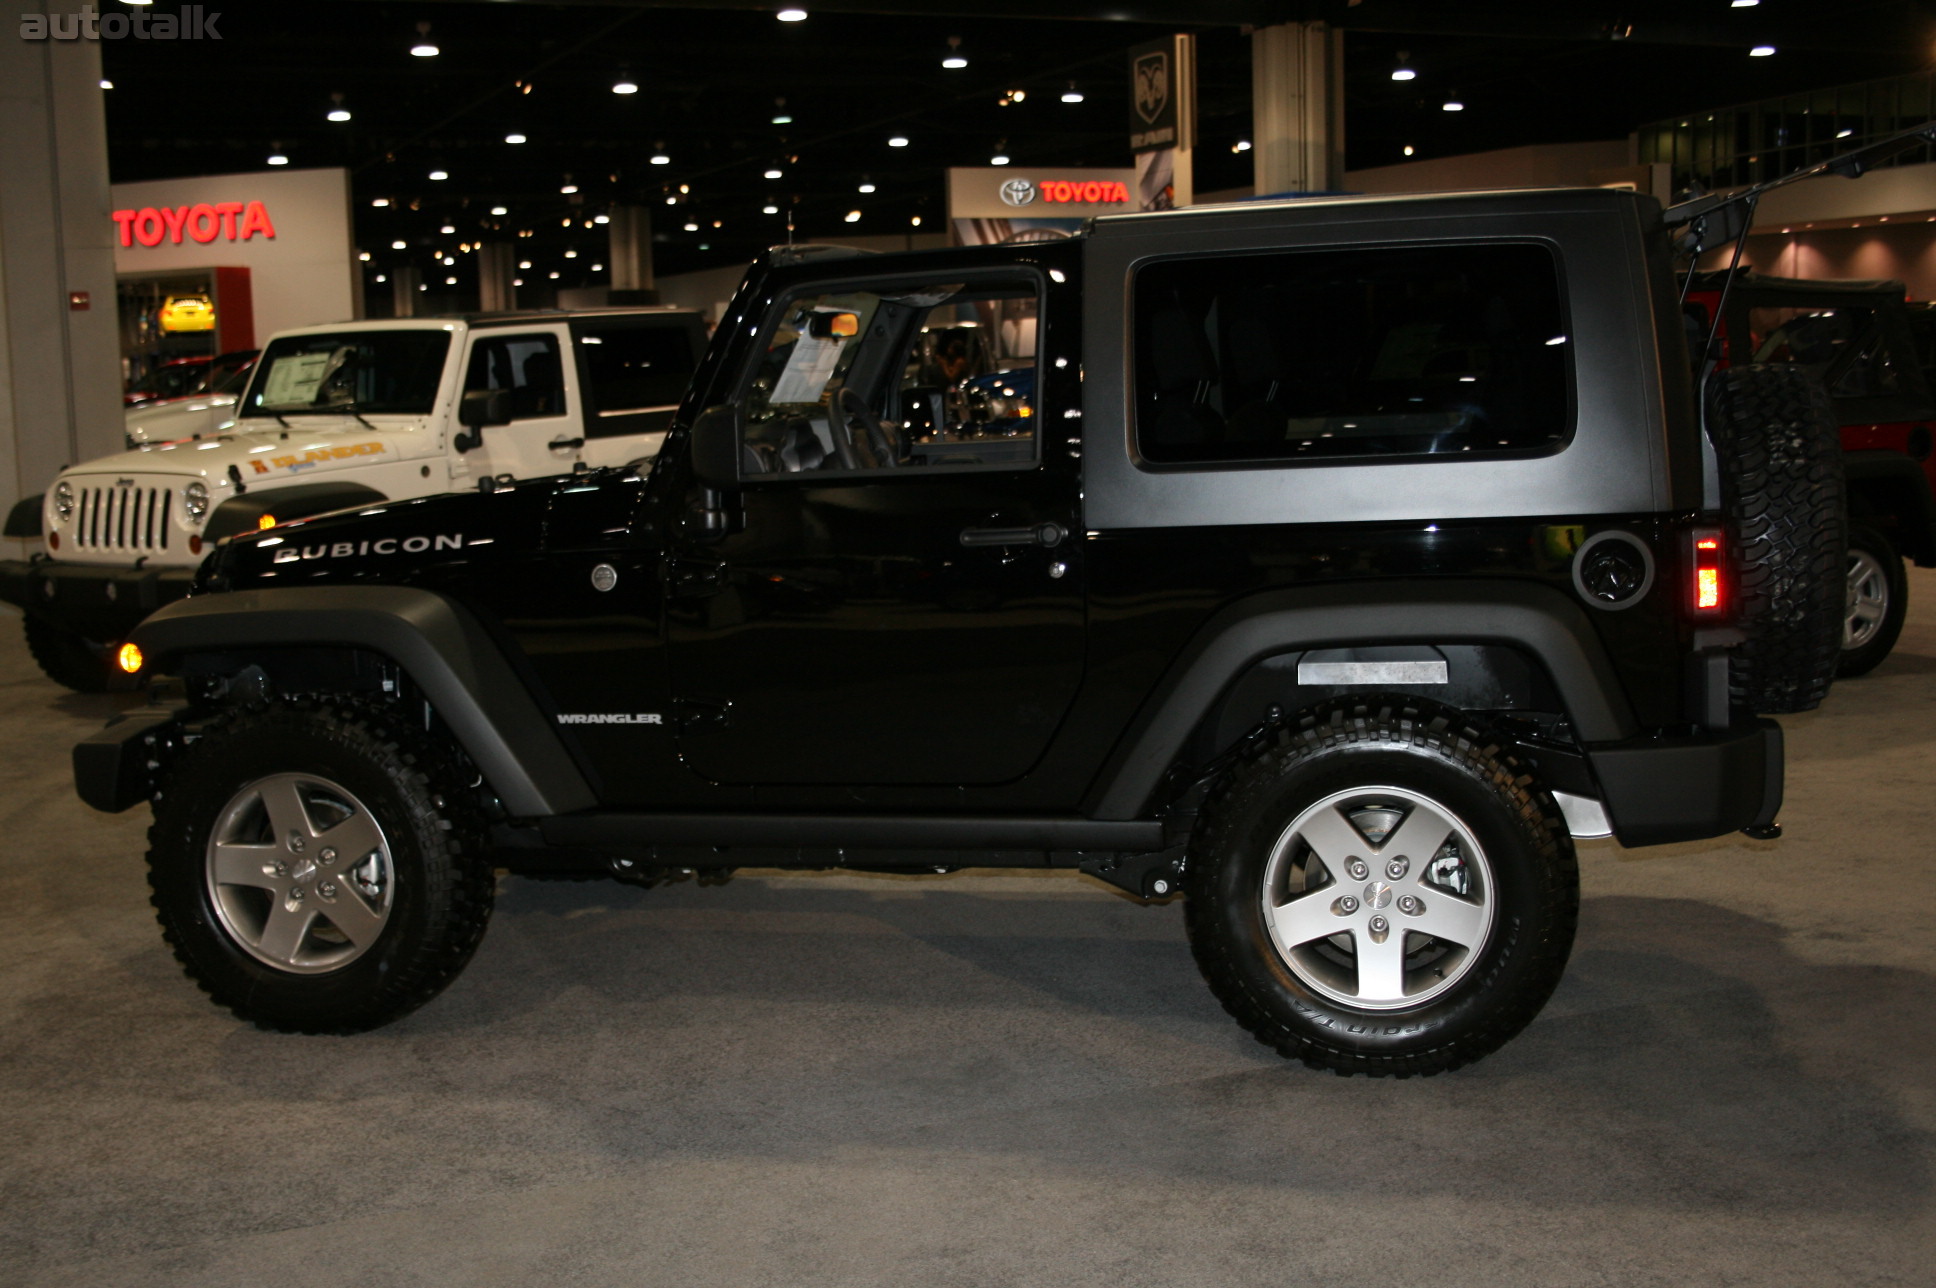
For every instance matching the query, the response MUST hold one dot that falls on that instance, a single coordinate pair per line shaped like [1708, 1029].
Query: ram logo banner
[612, 718]
[194, 22]
[358, 549]
[1152, 86]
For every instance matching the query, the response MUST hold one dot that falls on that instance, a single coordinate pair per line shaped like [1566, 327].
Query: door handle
[564, 444]
[1037, 534]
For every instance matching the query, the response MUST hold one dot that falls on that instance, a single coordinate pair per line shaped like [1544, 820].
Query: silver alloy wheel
[1379, 898]
[1868, 602]
[300, 874]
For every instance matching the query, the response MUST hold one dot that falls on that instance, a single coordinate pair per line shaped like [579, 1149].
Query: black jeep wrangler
[1332, 563]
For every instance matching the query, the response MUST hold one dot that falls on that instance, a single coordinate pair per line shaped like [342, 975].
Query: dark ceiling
[711, 78]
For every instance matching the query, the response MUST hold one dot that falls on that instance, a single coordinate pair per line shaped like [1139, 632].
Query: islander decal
[315, 456]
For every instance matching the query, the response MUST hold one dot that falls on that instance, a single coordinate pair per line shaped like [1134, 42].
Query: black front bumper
[99, 602]
[1659, 790]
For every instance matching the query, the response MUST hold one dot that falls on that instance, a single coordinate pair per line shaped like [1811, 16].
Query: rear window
[363, 371]
[1398, 351]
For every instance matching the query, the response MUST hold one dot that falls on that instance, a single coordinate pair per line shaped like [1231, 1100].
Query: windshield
[363, 371]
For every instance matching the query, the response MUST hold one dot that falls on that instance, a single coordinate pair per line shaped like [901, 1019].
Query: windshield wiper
[341, 409]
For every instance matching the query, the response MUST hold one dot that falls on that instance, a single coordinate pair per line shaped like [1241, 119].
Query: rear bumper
[1659, 790]
[100, 602]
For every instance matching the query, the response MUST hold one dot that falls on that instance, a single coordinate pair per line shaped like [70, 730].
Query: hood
[311, 447]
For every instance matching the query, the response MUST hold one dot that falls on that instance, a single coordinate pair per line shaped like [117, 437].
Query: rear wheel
[67, 658]
[1780, 456]
[1878, 600]
[1382, 891]
[320, 867]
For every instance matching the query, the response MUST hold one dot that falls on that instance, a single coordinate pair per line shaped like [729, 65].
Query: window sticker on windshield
[808, 369]
[296, 379]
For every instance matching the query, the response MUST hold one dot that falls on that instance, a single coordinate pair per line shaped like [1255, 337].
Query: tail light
[1707, 594]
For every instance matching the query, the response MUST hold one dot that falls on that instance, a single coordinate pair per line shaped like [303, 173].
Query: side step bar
[856, 831]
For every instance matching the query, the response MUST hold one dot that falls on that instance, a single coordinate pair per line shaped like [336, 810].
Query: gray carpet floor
[987, 1079]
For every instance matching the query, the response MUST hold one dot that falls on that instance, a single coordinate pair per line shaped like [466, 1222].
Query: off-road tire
[66, 658]
[1391, 742]
[1782, 490]
[1875, 565]
[415, 787]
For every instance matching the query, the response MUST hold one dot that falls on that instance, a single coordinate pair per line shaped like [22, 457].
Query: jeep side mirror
[715, 447]
[478, 408]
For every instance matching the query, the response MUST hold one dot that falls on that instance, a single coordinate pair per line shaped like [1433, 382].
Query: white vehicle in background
[333, 417]
[195, 415]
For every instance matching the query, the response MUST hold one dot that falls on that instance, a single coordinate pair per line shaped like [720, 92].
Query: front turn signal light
[128, 658]
[266, 522]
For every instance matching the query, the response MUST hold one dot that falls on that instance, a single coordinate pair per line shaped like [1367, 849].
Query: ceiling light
[791, 15]
[450, 281]
[1072, 94]
[1241, 145]
[685, 188]
[448, 228]
[866, 184]
[601, 219]
[500, 210]
[363, 255]
[783, 119]
[1402, 72]
[769, 210]
[1743, 4]
[524, 263]
[853, 216]
[719, 223]
[106, 83]
[338, 113]
[423, 286]
[449, 260]
[423, 48]
[660, 158]
[773, 173]
[553, 275]
[692, 228]
[514, 138]
[915, 222]
[898, 141]
[276, 158]
[571, 254]
[399, 245]
[624, 85]
[1454, 105]
[1408, 149]
[517, 281]
[382, 277]
[379, 202]
[1761, 51]
[440, 174]
[954, 59]
[568, 189]
[1843, 134]
[672, 201]
[598, 268]
[1000, 157]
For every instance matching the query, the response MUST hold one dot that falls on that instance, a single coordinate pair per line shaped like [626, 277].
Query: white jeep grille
[134, 519]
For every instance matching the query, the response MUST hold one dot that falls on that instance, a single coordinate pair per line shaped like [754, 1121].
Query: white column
[1297, 108]
[60, 365]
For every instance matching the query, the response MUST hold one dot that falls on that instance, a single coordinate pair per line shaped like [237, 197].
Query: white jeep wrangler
[353, 414]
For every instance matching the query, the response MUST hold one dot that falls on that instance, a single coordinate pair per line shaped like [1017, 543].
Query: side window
[634, 375]
[1382, 352]
[921, 375]
[1843, 346]
[527, 365]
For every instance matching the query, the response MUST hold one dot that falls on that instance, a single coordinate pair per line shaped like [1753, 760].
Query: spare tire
[1780, 455]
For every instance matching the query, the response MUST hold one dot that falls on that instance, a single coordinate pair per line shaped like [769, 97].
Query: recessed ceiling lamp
[277, 158]
[106, 83]
[514, 138]
[382, 277]
[898, 141]
[1843, 134]
[338, 113]
[601, 219]
[1453, 104]
[659, 156]
[692, 227]
[500, 210]
[448, 228]
[853, 216]
[1001, 154]
[791, 15]
[625, 84]
[598, 268]
[954, 60]
[449, 259]
[423, 48]
[524, 263]
[440, 174]
[773, 172]
[363, 255]
[1762, 51]
[866, 184]
[571, 254]
[915, 222]
[1743, 4]
[1241, 145]
[1402, 72]
[1072, 94]
[379, 202]
[780, 115]
[450, 281]
[1409, 149]
[769, 209]
[553, 276]
[568, 189]
[399, 245]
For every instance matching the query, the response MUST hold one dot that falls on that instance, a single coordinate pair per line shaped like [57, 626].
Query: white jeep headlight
[195, 499]
[64, 500]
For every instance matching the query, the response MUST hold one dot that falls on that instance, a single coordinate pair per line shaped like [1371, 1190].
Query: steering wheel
[878, 440]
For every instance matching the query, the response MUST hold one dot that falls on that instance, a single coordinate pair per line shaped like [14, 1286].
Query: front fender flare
[438, 643]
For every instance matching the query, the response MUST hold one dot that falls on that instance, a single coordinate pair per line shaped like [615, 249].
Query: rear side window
[1398, 351]
[634, 376]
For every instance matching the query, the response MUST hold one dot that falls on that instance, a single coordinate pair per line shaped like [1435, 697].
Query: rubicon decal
[380, 546]
[612, 718]
[201, 222]
[295, 464]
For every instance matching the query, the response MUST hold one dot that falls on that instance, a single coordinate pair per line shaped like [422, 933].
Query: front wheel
[1878, 600]
[66, 657]
[319, 867]
[1381, 891]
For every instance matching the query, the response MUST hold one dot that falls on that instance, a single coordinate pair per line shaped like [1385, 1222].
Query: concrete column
[404, 281]
[1297, 108]
[495, 269]
[631, 248]
[60, 362]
